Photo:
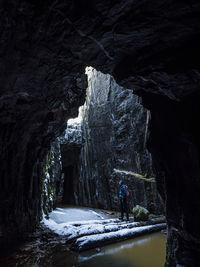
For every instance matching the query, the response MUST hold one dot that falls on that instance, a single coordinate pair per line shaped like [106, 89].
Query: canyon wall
[114, 130]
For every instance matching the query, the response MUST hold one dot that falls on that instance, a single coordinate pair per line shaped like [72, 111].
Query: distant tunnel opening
[68, 187]
[70, 162]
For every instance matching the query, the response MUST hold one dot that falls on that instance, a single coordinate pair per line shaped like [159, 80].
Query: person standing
[123, 200]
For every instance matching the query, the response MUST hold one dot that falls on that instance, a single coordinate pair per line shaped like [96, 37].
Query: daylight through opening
[105, 145]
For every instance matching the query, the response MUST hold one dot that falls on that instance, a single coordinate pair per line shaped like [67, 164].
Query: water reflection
[146, 251]
[115, 250]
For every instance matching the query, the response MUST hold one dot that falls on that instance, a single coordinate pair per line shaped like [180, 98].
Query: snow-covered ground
[63, 221]
[86, 228]
[63, 215]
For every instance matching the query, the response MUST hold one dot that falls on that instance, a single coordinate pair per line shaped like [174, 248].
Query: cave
[149, 47]
[68, 185]
[70, 168]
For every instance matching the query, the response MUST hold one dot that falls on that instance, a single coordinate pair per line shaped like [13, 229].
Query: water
[146, 251]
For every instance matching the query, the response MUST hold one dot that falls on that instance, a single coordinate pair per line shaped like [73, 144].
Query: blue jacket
[122, 191]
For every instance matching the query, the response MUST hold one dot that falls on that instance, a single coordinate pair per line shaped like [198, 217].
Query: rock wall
[113, 147]
[52, 182]
[38, 95]
[174, 143]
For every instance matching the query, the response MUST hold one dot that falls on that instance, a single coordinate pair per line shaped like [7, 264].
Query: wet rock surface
[149, 46]
[114, 132]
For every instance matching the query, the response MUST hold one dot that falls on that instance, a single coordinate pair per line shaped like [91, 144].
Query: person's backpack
[127, 191]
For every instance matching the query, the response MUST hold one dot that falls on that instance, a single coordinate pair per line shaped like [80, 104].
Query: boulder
[140, 213]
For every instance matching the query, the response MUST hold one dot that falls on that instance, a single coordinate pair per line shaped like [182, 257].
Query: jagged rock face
[174, 143]
[52, 182]
[28, 125]
[113, 128]
[151, 47]
[38, 95]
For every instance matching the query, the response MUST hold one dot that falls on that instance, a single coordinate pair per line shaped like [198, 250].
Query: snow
[69, 221]
[114, 234]
[94, 212]
[85, 233]
[96, 240]
[59, 212]
[77, 227]
[57, 228]
[72, 214]
[89, 229]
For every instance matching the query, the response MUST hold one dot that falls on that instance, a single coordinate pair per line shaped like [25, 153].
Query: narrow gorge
[108, 140]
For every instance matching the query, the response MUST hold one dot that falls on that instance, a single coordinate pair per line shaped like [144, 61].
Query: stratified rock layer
[149, 46]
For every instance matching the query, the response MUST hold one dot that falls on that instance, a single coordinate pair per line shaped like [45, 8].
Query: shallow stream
[146, 251]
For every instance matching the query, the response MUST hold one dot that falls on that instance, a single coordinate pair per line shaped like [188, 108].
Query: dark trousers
[124, 208]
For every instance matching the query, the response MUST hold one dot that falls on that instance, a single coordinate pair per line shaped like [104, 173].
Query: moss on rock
[50, 173]
[140, 213]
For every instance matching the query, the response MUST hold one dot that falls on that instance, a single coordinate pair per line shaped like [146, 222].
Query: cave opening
[68, 188]
[106, 143]
[70, 169]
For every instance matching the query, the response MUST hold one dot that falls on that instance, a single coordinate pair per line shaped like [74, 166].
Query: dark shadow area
[68, 190]
[70, 165]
